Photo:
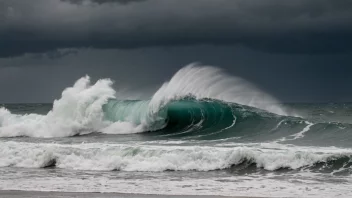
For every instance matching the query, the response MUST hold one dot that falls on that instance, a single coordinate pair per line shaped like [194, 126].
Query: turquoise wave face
[192, 116]
[136, 112]
[205, 118]
[210, 119]
[176, 116]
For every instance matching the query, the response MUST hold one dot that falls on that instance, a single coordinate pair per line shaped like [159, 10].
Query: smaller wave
[165, 158]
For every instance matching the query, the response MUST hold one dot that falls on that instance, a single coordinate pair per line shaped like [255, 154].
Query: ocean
[202, 133]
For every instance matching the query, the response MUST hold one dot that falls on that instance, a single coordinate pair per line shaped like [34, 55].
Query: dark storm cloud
[288, 77]
[103, 1]
[300, 26]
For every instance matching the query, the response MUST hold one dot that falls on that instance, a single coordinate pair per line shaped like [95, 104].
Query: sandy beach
[40, 194]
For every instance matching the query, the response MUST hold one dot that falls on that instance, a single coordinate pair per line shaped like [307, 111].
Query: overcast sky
[296, 50]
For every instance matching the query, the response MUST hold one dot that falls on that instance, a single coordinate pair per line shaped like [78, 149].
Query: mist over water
[202, 121]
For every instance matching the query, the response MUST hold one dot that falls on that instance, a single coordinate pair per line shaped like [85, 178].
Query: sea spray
[78, 110]
[210, 82]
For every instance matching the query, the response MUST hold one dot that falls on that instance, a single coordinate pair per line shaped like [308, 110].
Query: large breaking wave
[196, 96]
[199, 102]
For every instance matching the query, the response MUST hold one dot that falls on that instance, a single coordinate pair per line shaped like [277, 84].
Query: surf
[141, 158]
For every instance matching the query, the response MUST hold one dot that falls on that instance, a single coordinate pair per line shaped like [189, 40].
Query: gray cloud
[315, 26]
[102, 1]
[289, 77]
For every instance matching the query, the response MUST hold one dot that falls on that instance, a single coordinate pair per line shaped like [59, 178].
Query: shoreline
[54, 194]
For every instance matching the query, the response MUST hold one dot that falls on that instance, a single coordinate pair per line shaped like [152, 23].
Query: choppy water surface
[201, 133]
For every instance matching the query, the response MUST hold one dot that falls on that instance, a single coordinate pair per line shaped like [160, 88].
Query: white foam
[301, 133]
[123, 128]
[160, 158]
[297, 135]
[99, 156]
[78, 110]
[247, 186]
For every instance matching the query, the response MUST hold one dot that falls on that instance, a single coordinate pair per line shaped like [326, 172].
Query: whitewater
[203, 132]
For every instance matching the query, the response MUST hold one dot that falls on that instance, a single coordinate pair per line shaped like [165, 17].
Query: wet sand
[39, 194]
